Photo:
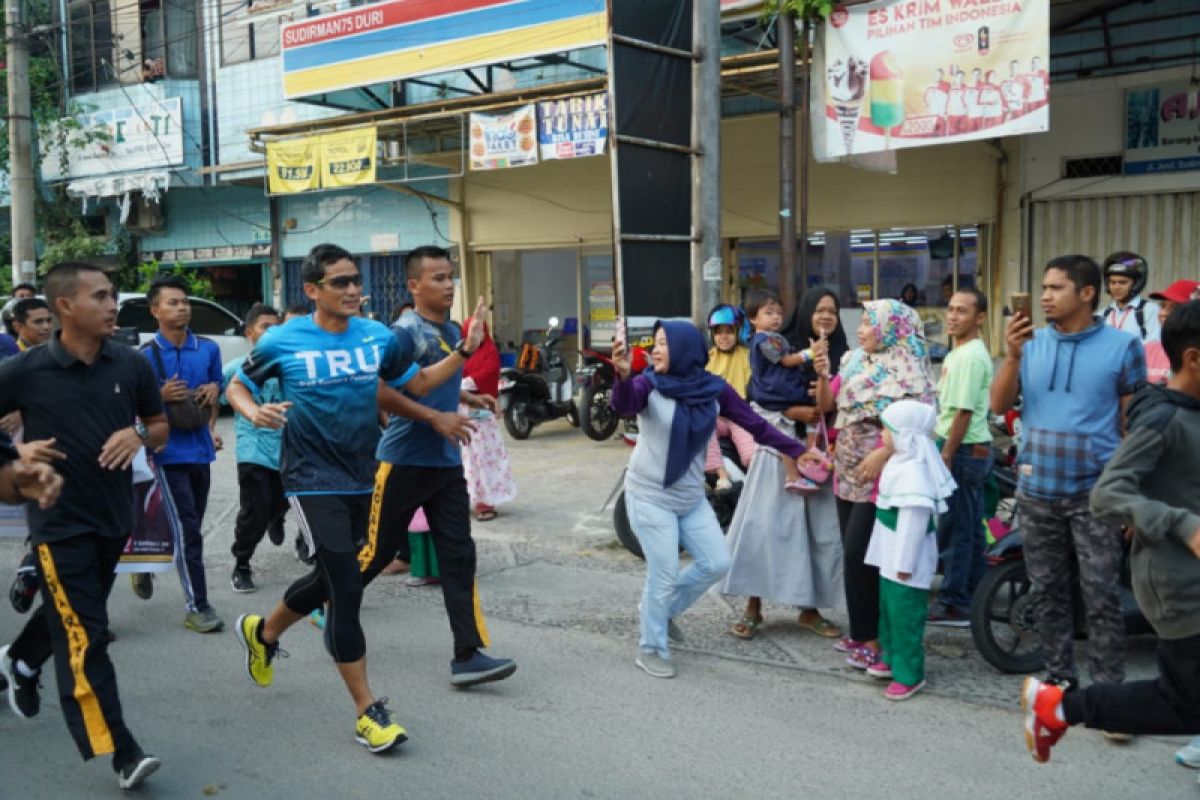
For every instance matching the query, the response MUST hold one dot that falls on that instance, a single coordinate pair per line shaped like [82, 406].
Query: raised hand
[478, 322]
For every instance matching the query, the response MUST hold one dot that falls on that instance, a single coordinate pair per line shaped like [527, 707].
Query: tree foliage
[58, 218]
[804, 10]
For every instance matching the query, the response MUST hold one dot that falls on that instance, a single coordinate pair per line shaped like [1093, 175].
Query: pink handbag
[819, 471]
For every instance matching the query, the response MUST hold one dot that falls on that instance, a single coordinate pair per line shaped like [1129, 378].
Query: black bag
[182, 415]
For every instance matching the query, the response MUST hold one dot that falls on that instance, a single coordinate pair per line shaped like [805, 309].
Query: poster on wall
[573, 127]
[292, 165]
[500, 141]
[348, 158]
[1162, 134]
[602, 315]
[910, 73]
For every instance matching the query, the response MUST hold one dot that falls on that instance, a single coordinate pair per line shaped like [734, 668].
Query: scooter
[596, 376]
[538, 393]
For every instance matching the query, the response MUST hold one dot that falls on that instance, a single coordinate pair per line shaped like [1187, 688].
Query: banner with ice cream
[910, 73]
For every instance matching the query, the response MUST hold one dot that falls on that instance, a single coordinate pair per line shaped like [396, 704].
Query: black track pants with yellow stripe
[77, 576]
[442, 493]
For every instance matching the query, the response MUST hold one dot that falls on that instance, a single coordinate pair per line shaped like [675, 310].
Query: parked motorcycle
[595, 377]
[539, 392]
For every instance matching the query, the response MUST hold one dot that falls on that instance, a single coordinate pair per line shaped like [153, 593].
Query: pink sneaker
[847, 645]
[801, 485]
[879, 669]
[864, 658]
[898, 691]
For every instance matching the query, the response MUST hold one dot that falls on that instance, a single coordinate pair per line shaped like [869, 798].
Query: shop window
[918, 263]
[169, 41]
[248, 33]
[89, 42]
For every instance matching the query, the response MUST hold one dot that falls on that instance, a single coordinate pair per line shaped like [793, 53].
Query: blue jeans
[669, 592]
[962, 529]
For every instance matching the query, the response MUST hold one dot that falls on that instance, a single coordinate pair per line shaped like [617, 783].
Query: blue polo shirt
[8, 346]
[196, 363]
[408, 442]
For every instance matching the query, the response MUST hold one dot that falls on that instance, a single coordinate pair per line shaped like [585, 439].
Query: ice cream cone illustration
[887, 94]
[847, 86]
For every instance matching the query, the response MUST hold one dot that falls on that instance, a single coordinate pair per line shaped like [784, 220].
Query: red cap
[1177, 292]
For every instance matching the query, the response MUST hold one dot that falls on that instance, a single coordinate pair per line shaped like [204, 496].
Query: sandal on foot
[746, 627]
[485, 514]
[821, 627]
[801, 486]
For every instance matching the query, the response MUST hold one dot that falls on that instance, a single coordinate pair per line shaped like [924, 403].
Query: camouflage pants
[1053, 530]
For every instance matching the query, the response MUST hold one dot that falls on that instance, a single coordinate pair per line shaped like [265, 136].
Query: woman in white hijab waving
[913, 488]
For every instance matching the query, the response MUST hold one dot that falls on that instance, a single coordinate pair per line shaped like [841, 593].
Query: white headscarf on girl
[915, 475]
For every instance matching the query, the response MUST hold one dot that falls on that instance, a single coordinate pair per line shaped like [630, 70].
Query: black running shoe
[24, 586]
[23, 697]
[302, 553]
[143, 584]
[242, 580]
[133, 772]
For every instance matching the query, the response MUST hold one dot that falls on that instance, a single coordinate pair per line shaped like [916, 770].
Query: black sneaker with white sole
[23, 697]
[242, 580]
[133, 772]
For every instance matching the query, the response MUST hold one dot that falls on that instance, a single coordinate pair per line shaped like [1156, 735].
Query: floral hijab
[899, 369]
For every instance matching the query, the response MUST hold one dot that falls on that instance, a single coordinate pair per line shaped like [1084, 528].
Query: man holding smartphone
[1075, 378]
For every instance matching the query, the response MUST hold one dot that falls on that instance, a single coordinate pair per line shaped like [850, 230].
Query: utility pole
[805, 147]
[706, 159]
[785, 27]
[20, 145]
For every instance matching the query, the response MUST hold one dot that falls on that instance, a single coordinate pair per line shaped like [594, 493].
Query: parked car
[209, 320]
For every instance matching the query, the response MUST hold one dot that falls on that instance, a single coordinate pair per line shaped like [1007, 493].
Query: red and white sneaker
[1043, 728]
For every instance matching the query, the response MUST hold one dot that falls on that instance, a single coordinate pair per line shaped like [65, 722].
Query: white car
[209, 320]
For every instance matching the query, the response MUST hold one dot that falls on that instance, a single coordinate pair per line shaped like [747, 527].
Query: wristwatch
[142, 432]
[461, 349]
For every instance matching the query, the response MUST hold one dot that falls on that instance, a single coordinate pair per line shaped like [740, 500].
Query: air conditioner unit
[145, 216]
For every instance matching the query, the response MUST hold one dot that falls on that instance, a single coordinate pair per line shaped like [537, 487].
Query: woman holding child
[889, 364]
[787, 547]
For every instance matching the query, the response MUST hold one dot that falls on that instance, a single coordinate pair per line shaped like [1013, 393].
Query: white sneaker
[1189, 754]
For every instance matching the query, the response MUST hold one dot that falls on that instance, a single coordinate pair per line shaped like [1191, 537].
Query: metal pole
[706, 162]
[20, 147]
[805, 134]
[786, 35]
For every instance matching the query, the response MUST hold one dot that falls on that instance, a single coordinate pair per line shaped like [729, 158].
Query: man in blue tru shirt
[1075, 378]
[337, 370]
[420, 466]
[186, 365]
[260, 487]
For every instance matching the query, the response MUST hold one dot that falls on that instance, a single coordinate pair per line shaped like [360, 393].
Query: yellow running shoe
[259, 656]
[376, 731]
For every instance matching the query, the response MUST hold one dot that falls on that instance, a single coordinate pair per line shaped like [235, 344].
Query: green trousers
[902, 612]
[424, 556]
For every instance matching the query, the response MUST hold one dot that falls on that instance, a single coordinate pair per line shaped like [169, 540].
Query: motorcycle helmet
[1129, 265]
[725, 314]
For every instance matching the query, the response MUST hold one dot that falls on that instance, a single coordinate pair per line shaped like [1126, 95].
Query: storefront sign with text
[909, 73]
[1162, 130]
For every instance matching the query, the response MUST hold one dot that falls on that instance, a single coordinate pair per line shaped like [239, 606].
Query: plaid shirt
[1072, 386]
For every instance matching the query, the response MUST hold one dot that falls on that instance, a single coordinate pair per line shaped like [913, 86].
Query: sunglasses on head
[1132, 263]
[341, 281]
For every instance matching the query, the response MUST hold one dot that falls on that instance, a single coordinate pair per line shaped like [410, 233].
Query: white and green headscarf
[915, 475]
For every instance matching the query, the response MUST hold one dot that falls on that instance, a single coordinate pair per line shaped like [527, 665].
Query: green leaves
[805, 10]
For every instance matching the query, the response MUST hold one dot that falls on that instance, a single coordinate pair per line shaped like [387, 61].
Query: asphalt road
[780, 716]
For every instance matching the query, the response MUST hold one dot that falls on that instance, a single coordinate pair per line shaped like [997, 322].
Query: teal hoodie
[1152, 484]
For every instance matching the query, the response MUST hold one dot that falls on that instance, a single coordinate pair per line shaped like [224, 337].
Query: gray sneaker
[674, 632]
[205, 621]
[655, 665]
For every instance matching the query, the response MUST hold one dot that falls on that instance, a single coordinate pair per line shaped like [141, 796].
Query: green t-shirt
[965, 384]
